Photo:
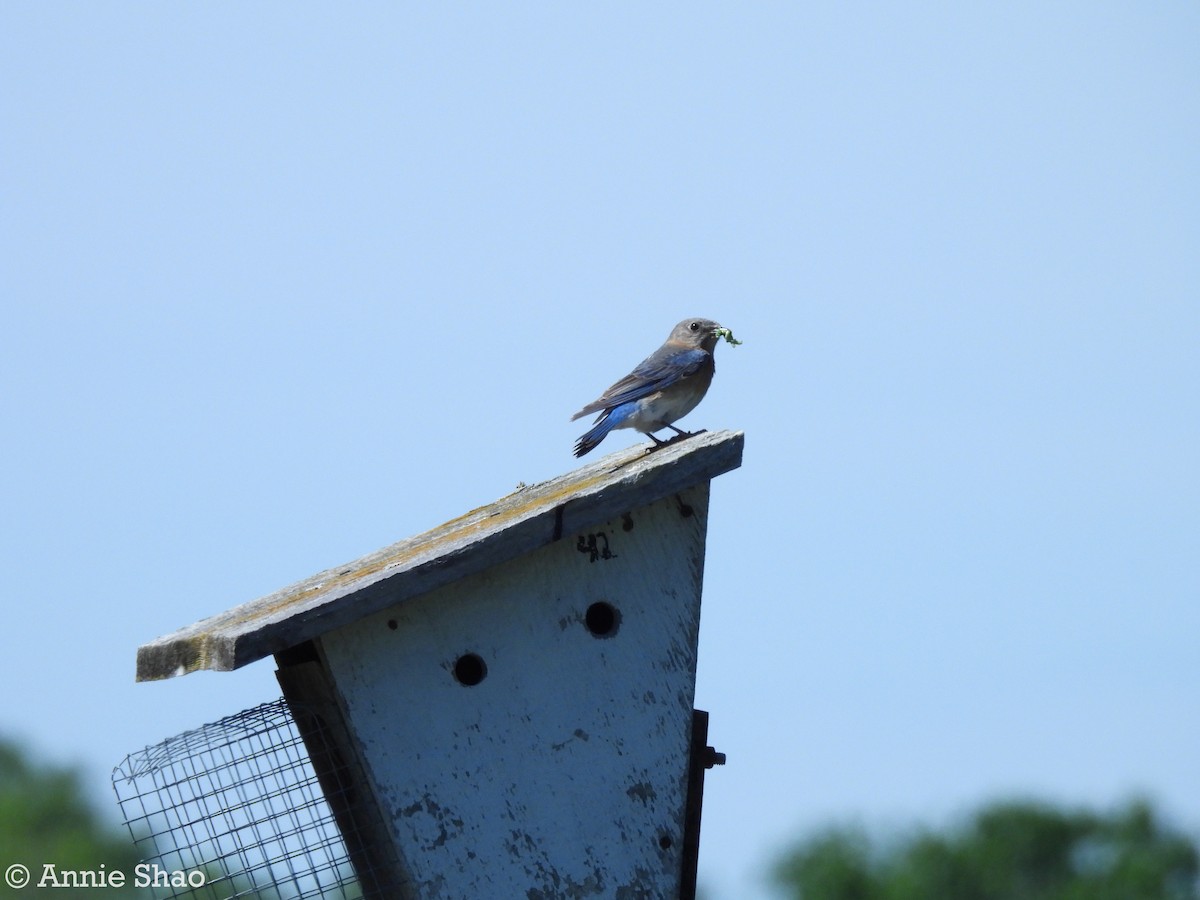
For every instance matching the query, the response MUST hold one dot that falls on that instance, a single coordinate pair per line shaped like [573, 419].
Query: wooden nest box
[513, 689]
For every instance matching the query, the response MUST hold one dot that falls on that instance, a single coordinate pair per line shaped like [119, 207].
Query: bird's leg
[658, 445]
[680, 435]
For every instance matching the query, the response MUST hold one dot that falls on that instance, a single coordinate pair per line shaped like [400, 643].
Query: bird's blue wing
[652, 375]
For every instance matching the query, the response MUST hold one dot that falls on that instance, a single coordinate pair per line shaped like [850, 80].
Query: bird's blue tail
[607, 422]
[588, 442]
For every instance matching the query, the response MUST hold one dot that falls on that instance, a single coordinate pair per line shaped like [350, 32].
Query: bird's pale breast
[666, 406]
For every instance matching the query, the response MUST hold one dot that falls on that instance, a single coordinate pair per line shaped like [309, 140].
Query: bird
[664, 387]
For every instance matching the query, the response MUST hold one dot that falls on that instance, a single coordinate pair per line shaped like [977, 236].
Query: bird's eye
[695, 326]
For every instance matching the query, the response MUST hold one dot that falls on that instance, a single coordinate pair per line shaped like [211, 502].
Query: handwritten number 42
[595, 546]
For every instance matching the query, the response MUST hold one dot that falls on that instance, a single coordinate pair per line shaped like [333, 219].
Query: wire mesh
[239, 805]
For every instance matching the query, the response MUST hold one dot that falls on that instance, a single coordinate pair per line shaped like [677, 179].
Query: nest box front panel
[526, 730]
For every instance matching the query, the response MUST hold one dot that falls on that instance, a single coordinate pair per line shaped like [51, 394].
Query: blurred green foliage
[1006, 851]
[46, 819]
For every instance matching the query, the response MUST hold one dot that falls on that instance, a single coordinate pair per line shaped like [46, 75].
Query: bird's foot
[680, 435]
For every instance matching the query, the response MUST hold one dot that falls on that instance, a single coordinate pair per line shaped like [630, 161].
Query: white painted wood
[563, 772]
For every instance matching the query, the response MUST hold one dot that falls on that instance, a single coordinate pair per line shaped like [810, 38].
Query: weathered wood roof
[512, 526]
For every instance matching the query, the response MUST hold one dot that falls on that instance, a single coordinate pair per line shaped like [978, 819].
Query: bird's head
[702, 333]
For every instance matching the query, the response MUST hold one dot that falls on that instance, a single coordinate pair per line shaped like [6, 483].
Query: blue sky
[285, 283]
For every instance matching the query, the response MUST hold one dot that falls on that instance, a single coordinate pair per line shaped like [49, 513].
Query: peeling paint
[643, 791]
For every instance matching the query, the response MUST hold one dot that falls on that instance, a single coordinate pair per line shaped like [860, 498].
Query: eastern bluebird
[664, 387]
